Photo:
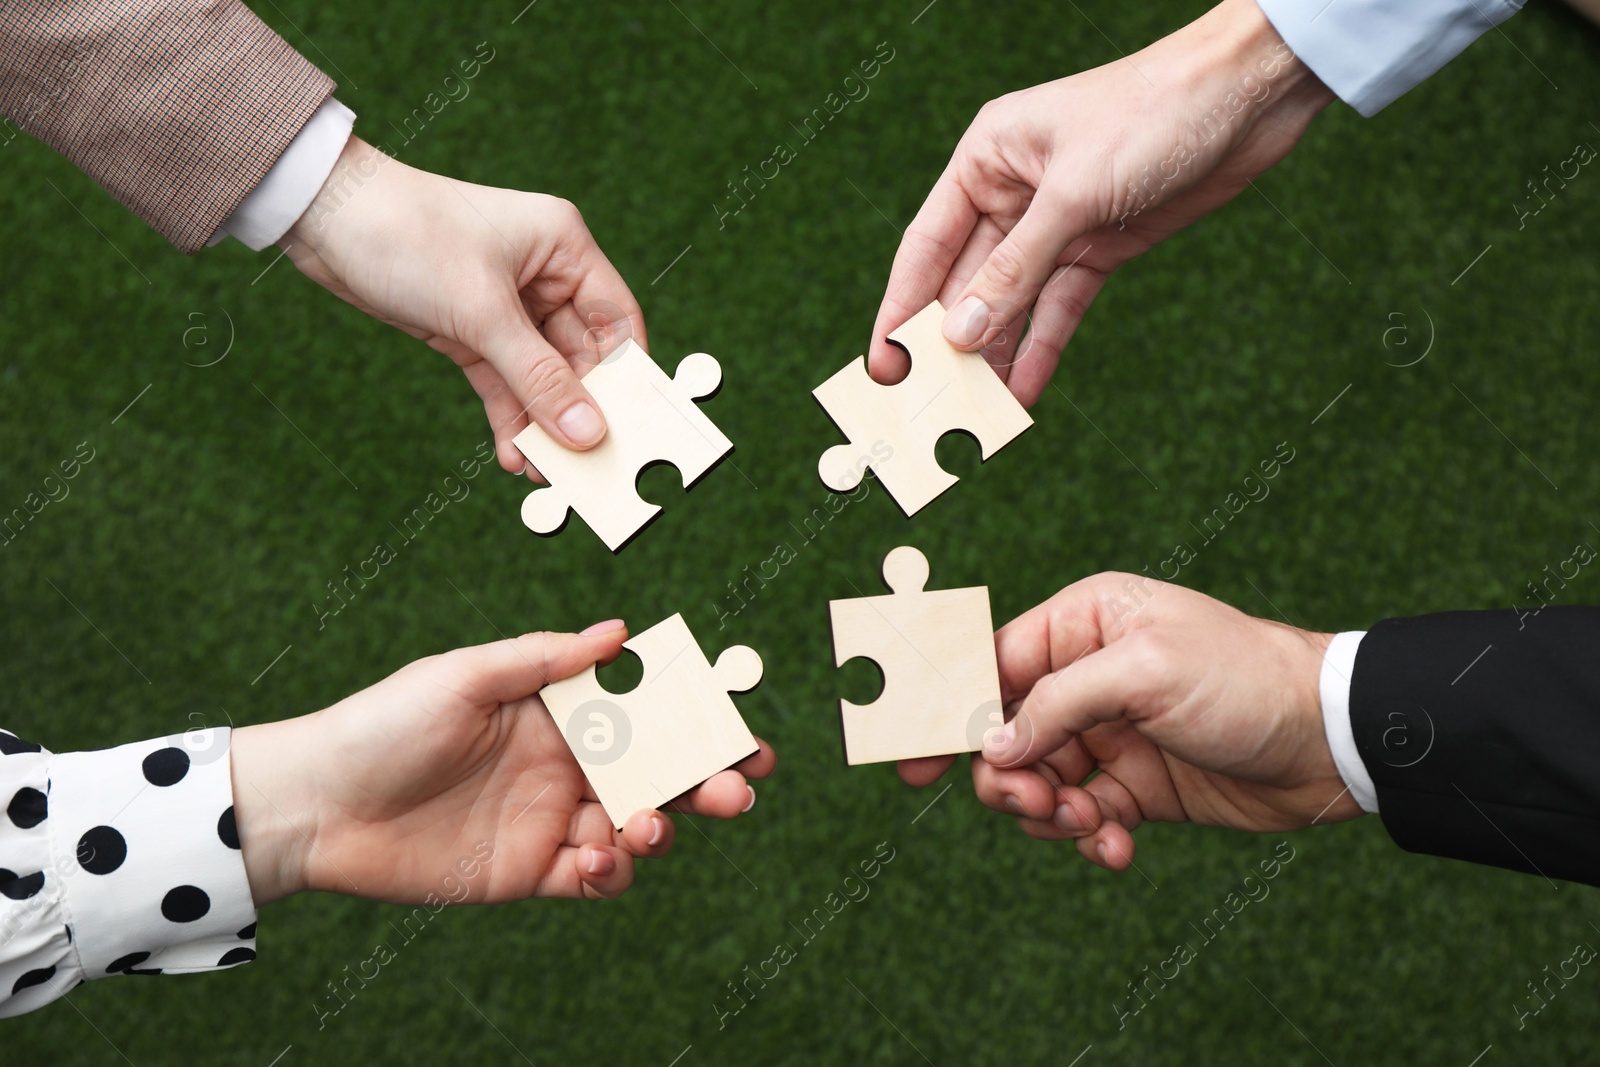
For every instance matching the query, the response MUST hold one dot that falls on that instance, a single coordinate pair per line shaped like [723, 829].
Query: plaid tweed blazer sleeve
[178, 108]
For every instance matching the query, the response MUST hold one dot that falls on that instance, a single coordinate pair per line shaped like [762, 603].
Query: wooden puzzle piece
[677, 728]
[649, 418]
[946, 390]
[941, 685]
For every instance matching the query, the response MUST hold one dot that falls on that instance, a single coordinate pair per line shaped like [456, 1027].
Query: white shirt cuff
[293, 182]
[1370, 52]
[120, 861]
[1338, 663]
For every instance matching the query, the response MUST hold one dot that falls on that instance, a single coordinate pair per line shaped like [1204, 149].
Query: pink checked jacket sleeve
[178, 108]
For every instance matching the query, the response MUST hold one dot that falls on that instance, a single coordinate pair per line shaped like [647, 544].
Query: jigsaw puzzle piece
[941, 684]
[650, 418]
[894, 428]
[964, 392]
[677, 728]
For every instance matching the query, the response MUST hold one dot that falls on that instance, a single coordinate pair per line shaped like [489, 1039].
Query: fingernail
[966, 322]
[609, 626]
[601, 863]
[998, 742]
[1013, 804]
[1067, 819]
[658, 830]
[1100, 851]
[582, 424]
[752, 802]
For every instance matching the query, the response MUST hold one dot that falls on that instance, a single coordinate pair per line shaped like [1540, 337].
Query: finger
[592, 871]
[587, 337]
[505, 414]
[930, 246]
[722, 796]
[1077, 814]
[1110, 847]
[589, 824]
[647, 834]
[1011, 278]
[1117, 803]
[760, 765]
[604, 871]
[503, 671]
[1099, 688]
[925, 771]
[1000, 351]
[541, 380]
[1056, 315]
[605, 304]
[1013, 791]
[579, 274]
[1063, 629]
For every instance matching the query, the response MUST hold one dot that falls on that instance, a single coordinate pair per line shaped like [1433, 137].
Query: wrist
[1318, 775]
[357, 166]
[1235, 51]
[273, 808]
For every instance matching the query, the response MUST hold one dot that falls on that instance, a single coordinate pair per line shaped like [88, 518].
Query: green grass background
[202, 534]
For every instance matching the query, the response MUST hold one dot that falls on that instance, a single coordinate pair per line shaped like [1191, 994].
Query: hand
[509, 285]
[1189, 710]
[1052, 188]
[402, 786]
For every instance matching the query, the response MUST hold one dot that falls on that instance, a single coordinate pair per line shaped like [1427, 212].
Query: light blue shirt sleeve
[1370, 52]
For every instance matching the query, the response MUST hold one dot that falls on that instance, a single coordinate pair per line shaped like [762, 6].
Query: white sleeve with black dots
[121, 861]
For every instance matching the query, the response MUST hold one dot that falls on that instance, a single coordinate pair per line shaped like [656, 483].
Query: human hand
[1054, 187]
[387, 792]
[1189, 710]
[509, 285]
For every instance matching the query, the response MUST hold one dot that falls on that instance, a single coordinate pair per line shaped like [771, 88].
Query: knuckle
[545, 380]
[930, 249]
[569, 214]
[1150, 656]
[1007, 267]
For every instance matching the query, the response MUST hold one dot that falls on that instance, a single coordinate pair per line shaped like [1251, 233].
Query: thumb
[1099, 688]
[503, 671]
[1016, 270]
[540, 378]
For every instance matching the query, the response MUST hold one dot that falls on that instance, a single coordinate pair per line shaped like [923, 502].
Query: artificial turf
[199, 540]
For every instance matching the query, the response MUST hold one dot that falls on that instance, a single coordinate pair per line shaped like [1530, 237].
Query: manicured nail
[658, 830]
[966, 322]
[609, 626]
[582, 424]
[752, 802]
[601, 863]
[1067, 819]
[1013, 804]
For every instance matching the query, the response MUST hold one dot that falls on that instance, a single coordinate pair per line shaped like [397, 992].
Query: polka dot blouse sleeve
[121, 861]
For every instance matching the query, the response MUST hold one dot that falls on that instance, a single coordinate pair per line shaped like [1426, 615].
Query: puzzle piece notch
[941, 683]
[674, 730]
[946, 390]
[650, 418]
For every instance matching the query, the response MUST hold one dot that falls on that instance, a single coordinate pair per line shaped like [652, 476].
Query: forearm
[234, 96]
[1481, 731]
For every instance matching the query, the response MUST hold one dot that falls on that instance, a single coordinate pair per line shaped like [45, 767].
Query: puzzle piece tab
[677, 728]
[649, 417]
[941, 685]
[946, 390]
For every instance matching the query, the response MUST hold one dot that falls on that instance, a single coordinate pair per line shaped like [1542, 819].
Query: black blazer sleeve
[1481, 730]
